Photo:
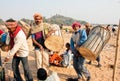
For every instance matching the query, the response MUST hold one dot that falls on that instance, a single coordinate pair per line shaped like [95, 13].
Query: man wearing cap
[38, 38]
[18, 49]
[77, 39]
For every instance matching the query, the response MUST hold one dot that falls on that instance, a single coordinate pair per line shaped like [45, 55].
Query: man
[38, 38]
[87, 26]
[77, 39]
[18, 49]
[42, 75]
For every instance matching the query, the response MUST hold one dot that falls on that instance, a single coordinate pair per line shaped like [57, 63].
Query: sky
[92, 11]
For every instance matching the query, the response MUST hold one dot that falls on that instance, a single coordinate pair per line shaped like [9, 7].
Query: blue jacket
[81, 36]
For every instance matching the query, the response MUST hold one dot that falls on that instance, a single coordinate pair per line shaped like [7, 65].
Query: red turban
[76, 24]
[1, 32]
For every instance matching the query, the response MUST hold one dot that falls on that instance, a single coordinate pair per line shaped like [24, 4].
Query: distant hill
[56, 19]
[59, 19]
[1, 22]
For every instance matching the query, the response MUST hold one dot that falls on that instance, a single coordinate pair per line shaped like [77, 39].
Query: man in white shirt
[18, 49]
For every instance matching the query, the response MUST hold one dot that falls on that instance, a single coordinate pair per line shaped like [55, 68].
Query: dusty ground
[103, 73]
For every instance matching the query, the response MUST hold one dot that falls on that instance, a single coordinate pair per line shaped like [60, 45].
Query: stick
[83, 78]
[116, 54]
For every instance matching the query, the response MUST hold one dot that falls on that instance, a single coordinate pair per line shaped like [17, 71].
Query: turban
[87, 25]
[37, 15]
[1, 32]
[76, 24]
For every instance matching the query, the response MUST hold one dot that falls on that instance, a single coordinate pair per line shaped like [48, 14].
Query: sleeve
[3, 38]
[33, 36]
[7, 39]
[18, 41]
[83, 37]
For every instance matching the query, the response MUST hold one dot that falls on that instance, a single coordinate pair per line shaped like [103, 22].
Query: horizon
[93, 11]
[69, 17]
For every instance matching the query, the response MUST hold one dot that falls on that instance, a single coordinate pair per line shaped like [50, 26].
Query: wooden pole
[116, 53]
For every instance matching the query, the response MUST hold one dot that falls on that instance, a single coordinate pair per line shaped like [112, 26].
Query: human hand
[50, 33]
[41, 48]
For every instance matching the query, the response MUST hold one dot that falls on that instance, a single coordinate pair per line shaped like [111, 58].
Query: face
[11, 25]
[87, 25]
[76, 28]
[38, 20]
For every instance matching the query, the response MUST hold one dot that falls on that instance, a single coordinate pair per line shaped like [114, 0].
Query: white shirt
[52, 77]
[20, 45]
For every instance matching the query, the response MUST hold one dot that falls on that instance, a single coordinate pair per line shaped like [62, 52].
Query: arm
[50, 33]
[83, 37]
[36, 43]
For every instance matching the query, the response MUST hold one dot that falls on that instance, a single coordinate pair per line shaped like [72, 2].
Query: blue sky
[93, 11]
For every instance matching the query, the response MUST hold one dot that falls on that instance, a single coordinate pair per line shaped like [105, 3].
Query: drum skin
[96, 41]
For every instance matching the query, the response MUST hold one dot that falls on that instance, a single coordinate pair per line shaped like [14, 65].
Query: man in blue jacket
[77, 39]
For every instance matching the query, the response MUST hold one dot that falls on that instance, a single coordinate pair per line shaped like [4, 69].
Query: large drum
[54, 42]
[97, 39]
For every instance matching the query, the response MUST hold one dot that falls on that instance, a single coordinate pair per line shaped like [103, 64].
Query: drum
[97, 39]
[55, 41]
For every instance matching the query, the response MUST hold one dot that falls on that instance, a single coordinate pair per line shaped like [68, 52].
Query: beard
[37, 22]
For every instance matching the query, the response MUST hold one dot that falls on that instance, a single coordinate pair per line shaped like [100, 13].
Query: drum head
[54, 43]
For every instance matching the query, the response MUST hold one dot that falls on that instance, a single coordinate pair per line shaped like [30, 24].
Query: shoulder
[70, 51]
[53, 77]
[81, 31]
[21, 34]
